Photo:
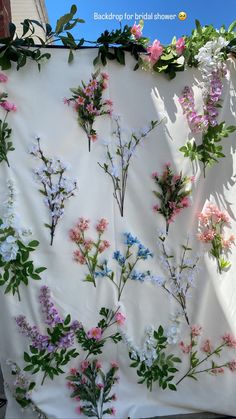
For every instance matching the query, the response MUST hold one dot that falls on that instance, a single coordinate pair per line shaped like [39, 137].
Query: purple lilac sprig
[88, 103]
[127, 262]
[49, 352]
[57, 188]
[93, 340]
[6, 144]
[22, 388]
[179, 275]
[92, 387]
[203, 355]
[119, 152]
[16, 247]
[173, 193]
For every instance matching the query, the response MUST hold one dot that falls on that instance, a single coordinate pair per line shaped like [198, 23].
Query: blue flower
[138, 276]
[118, 256]
[144, 252]
[105, 271]
[130, 240]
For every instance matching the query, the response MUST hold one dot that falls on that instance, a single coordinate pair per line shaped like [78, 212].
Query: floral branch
[180, 274]
[210, 58]
[89, 250]
[211, 224]
[228, 341]
[151, 361]
[118, 154]
[22, 388]
[16, 268]
[6, 144]
[57, 188]
[127, 262]
[93, 341]
[88, 103]
[51, 351]
[173, 193]
[92, 387]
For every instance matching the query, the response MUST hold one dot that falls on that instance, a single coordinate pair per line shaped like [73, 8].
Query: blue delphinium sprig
[49, 352]
[127, 261]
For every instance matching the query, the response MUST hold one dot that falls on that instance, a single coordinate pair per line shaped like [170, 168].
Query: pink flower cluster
[155, 51]
[211, 223]
[77, 235]
[7, 106]
[172, 193]
[88, 103]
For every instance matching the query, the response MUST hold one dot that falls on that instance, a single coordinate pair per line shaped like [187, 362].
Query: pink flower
[108, 102]
[66, 101]
[77, 398]
[98, 365]
[185, 202]
[88, 244]
[3, 78]
[91, 109]
[78, 257]
[180, 46]
[229, 340]
[94, 83]
[93, 137]
[104, 86]
[154, 175]
[217, 371]
[80, 100]
[196, 330]
[83, 224]
[103, 246]
[155, 207]
[88, 90]
[136, 31]
[112, 411]
[105, 76]
[114, 397]
[232, 365]
[102, 225]
[185, 348]
[74, 234]
[207, 347]
[73, 371]
[120, 318]
[8, 106]
[228, 243]
[95, 333]
[114, 364]
[100, 386]
[207, 236]
[84, 365]
[70, 385]
[155, 51]
[79, 410]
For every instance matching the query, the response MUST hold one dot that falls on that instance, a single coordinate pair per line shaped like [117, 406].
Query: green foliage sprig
[21, 49]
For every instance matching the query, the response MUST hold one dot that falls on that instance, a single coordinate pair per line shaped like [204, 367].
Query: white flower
[9, 249]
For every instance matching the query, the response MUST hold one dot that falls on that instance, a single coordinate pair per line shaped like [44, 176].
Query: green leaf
[70, 57]
[33, 243]
[27, 358]
[172, 387]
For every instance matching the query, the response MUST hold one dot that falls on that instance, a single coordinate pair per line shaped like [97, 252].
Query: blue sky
[214, 12]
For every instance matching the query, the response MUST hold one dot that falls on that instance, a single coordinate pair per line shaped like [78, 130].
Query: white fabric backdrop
[139, 97]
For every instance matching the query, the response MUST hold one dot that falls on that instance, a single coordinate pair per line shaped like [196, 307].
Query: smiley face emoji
[182, 15]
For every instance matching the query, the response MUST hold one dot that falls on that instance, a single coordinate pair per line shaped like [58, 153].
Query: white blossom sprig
[22, 389]
[15, 248]
[56, 186]
[118, 157]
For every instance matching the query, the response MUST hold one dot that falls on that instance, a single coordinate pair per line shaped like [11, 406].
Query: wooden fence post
[5, 17]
